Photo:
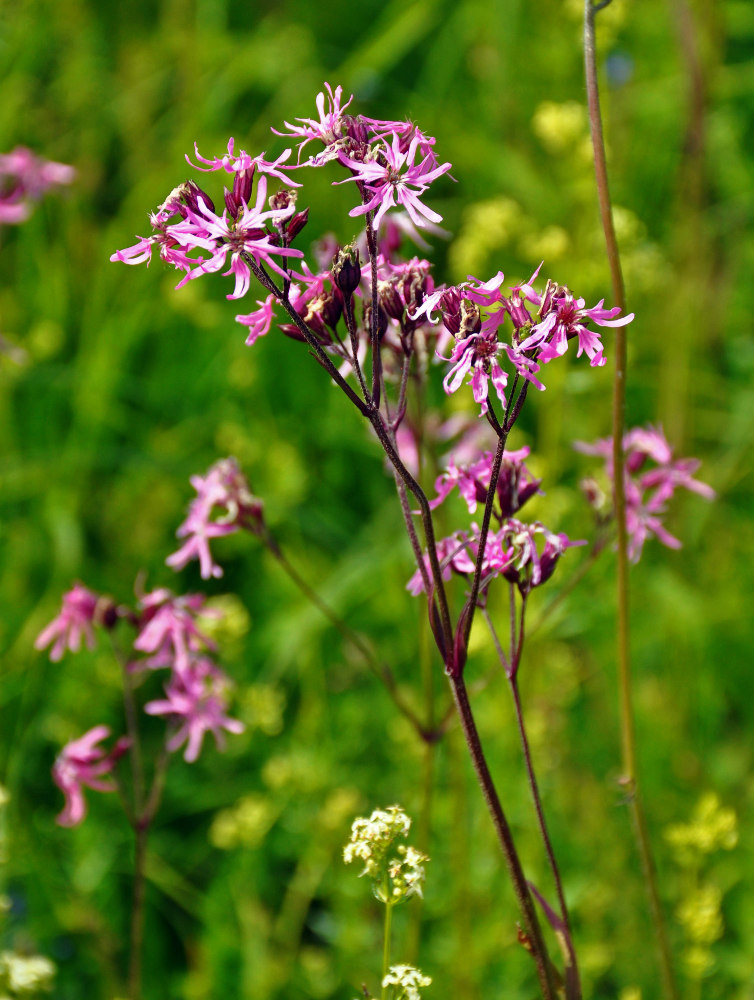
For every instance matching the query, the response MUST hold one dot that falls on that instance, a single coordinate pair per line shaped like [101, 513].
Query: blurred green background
[127, 387]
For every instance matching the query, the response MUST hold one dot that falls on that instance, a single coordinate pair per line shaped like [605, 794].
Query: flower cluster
[523, 553]
[25, 975]
[24, 178]
[168, 636]
[223, 505]
[392, 163]
[542, 326]
[372, 841]
[652, 476]
[406, 981]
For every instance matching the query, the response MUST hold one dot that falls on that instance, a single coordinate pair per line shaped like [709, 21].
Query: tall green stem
[386, 947]
[628, 737]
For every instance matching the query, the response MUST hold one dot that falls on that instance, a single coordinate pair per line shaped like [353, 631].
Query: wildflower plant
[396, 872]
[713, 828]
[380, 325]
[164, 636]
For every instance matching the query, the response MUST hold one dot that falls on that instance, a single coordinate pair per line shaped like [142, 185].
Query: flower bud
[194, 196]
[297, 223]
[390, 299]
[283, 201]
[450, 304]
[346, 270]
[242, 184]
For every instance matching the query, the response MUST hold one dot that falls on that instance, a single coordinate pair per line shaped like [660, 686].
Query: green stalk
[386, 944]
[627, 727]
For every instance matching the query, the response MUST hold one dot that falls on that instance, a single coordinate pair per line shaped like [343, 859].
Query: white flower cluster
[372, 838]
[393, 878]
[408, 980]
[25, 975]
[407, 872]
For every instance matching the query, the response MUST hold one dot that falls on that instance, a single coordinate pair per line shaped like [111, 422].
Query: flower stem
[380, 670]
[531, 927]
[511, 673]
[141, 833]
[386, 946]
[628, 738]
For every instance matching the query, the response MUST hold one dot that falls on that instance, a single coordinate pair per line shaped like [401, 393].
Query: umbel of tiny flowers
[406, 982]
[395, 870]
[651, 478]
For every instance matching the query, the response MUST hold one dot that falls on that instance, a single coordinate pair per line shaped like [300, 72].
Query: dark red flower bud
[296, 224]
[346, 270]
[193, 195]
[390, 299]
[242, 185]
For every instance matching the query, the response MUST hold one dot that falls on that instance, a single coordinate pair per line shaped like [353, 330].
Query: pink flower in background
[169, 631]
[24, 178]
[224, 504]
[652, 476]
[82, 764]
[73, 624]
[196, 702]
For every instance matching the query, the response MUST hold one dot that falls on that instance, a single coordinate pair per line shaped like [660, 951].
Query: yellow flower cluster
[712, 828]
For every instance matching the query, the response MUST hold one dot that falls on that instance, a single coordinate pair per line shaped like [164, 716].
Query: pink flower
[652, 476]
[169, 631]
[391, 177]
[515, 483]
[82, 764]
[196, 704]
[73, 624]
[223, 494]
[330, 127]
[259, 321]
[221, 235]
[513, 551]
[237, 163]
[563, 317]
[453, 556]
[24, 178]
